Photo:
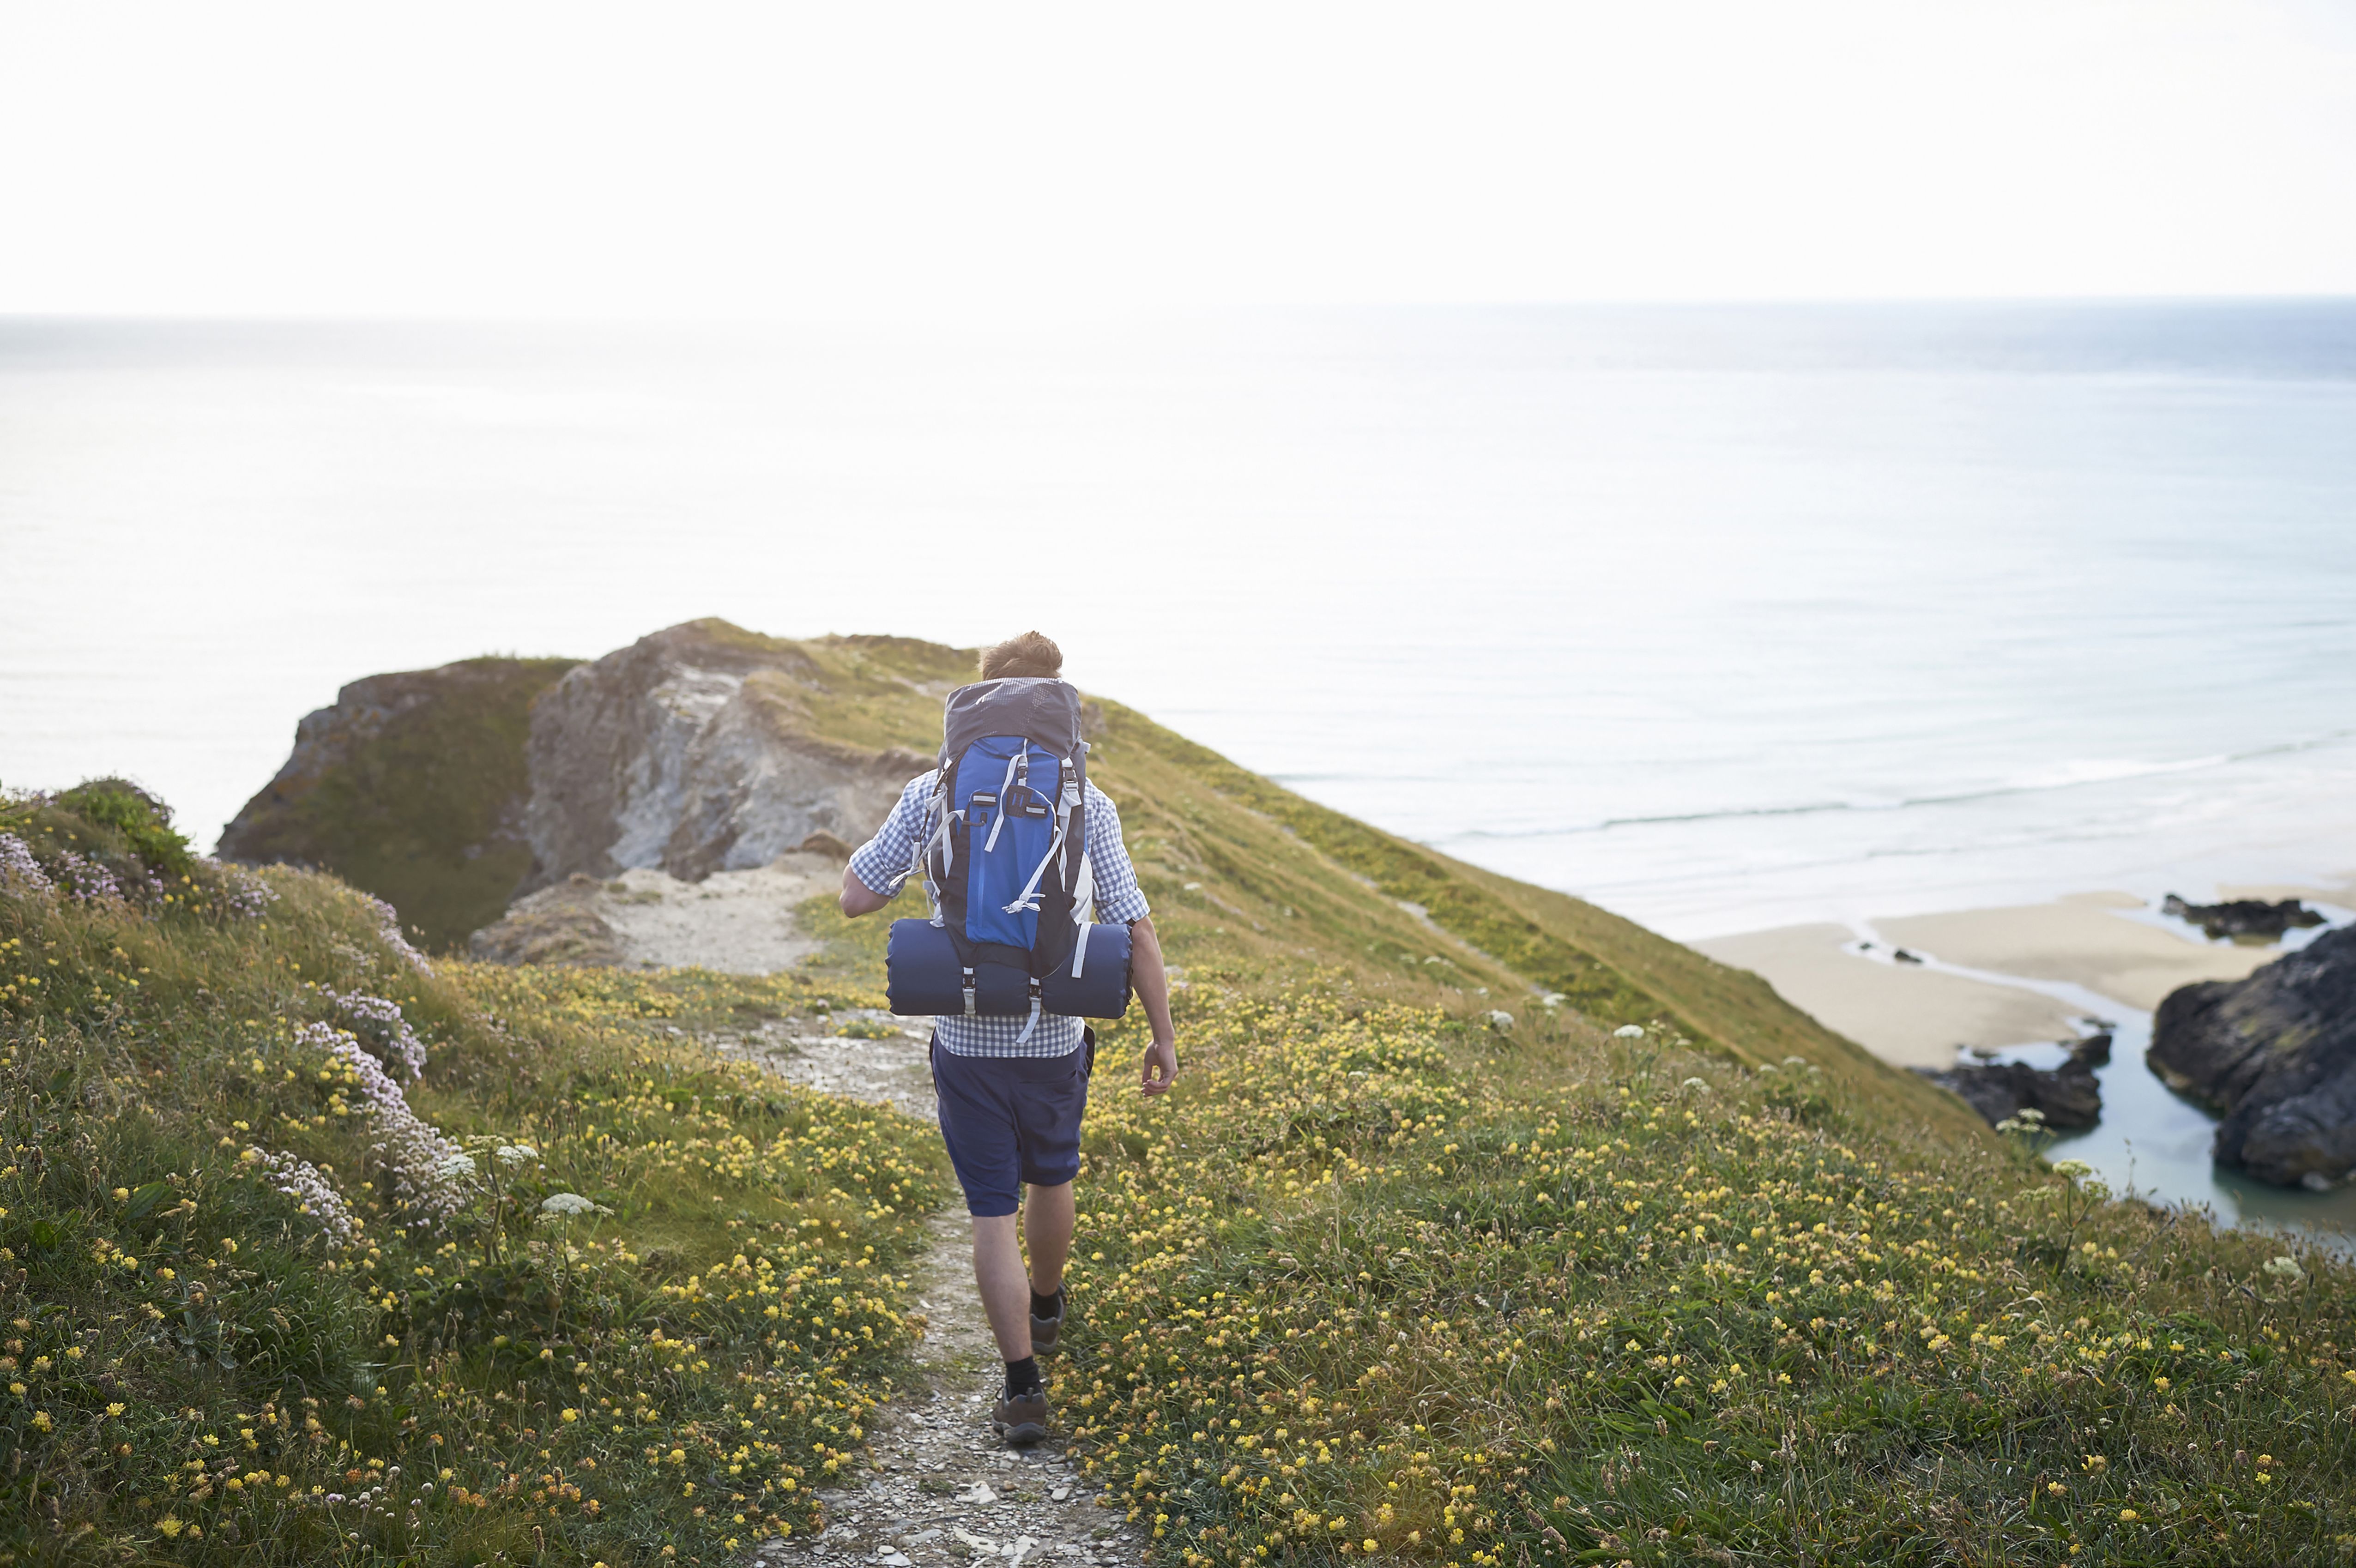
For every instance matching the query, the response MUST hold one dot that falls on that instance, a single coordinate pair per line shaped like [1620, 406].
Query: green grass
[1381, 1282]
[197, 1362]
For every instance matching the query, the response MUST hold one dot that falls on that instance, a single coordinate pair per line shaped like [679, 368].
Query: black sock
[1022, 1377]
[1047, 1306]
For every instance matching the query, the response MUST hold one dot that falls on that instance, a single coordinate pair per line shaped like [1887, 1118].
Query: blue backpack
[1006, 866]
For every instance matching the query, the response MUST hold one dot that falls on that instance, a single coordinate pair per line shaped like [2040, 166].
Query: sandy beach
[2113, 944]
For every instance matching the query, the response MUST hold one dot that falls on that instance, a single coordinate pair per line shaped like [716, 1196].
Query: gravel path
[943, 1486]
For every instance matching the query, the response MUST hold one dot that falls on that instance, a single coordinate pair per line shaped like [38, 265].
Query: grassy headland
[1388, 1275]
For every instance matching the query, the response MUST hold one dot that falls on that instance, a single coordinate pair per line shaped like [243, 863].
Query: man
[1011, 1106]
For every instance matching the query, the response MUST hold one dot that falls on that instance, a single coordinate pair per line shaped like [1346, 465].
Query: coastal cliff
[707, 748]
[411, 785]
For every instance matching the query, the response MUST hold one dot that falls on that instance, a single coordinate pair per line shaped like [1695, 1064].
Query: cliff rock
[412, 786]
[706, 748]
[2276, 1054]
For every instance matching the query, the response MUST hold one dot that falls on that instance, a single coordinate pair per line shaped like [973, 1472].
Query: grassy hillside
[1661, 1273]
[580, 1292]
[1241, 869]
[1380, 1283]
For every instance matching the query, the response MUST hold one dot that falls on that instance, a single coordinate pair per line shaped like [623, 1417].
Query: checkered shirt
[882, 862]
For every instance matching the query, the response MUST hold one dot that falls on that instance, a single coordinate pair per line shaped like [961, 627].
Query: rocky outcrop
[564, 924]
[2244, 917]
[412, 787]
[2276, 1054]
[2068, 1096]
[699, 748]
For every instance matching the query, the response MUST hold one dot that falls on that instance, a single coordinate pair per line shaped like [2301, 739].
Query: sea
[1724, 617]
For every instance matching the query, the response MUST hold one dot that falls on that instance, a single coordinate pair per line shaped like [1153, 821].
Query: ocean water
[1723, 617]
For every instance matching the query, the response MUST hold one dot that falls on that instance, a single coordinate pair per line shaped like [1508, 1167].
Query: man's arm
[859, 899]
[1152, 983]
[882, 860]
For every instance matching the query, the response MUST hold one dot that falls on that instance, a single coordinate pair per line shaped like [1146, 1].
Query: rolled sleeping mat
[923, 976]
[1101, 991]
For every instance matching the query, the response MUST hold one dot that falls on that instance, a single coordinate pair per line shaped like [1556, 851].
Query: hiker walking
[1037, 923]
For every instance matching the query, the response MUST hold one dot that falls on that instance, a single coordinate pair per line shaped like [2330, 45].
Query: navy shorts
[1009, 1120]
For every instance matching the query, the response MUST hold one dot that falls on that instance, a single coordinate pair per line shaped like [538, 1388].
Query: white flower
[388, 923]
[1795, 1061]
[1500, 1020]
[413, 1148]
[516, 1154]
[2072, 1168]
[309, 1187]
[2286, 1268]
[17, 864]
[378, 1024]
[565, 1205]
[1629, 1031]
[1697, 1086]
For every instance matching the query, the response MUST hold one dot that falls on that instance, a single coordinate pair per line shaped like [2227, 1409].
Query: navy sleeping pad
[922, 976]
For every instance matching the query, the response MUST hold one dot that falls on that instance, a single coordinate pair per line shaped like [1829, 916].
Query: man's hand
[1152, 983]
[1161, 1068]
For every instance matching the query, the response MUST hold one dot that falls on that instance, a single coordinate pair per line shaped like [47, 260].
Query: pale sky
[798, 161]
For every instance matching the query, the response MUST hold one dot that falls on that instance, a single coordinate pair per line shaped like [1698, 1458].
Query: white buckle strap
[1028, 899]
[968, 993]
[1004, 790]
[1033, 1021]
[1083, 911]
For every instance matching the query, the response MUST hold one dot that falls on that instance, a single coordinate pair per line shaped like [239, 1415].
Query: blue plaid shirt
[882, 863]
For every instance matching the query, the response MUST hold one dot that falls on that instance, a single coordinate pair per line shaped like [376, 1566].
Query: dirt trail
[943, 1487]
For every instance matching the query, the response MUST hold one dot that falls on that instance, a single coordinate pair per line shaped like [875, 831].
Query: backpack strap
[942, 839]
[1067, 799]
[1020, 763]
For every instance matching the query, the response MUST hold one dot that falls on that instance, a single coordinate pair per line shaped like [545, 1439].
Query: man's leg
[1047, 1221]
[1005, 1290]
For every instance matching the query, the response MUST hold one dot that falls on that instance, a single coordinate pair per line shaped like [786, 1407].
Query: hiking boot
[1045, 1330]
[1022, 1418]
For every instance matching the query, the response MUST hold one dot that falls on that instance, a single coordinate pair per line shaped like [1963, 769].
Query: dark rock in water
[2068, 1095]
[1903, 956]
[2244, 917]
[2275, 1055]
[2094, 1050]
[412, 787]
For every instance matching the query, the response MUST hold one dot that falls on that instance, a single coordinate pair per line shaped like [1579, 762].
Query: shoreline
[2013, 981]
[1991, 974]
